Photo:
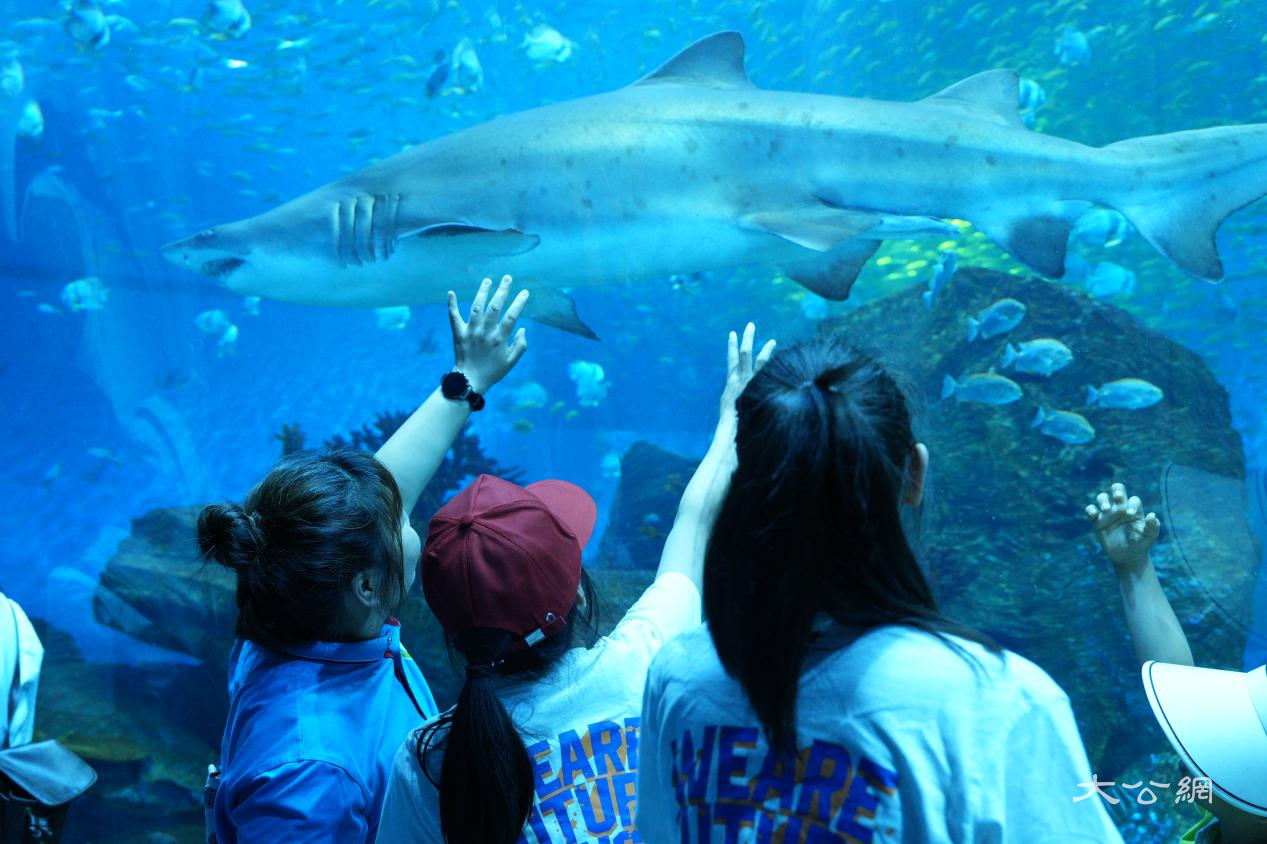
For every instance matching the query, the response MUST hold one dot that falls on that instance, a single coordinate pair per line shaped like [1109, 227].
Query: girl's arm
[687, 541]
[484, 353]
[1126, 536]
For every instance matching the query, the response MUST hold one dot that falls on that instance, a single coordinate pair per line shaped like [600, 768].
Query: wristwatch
[456, 387]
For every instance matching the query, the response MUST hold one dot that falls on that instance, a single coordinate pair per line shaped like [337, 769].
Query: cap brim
[1212, 722]
[570, 504]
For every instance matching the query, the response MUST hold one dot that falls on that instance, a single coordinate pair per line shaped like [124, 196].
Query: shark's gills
[1179, 188]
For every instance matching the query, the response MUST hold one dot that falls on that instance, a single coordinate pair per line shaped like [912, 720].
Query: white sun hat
[1217, 722]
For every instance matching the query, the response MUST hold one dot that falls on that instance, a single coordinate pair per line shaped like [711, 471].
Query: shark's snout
[204, 253]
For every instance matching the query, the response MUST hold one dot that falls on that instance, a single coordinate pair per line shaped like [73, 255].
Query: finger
[1134, 505]
[455, 316]
[520, 346]
[1103, 501]
[745, 348]
[481, 298]
[764, 355]
[1152, 526]
[1092, 512]
[1119, 493]
[732, 352]
[499, 298]
[516, 308]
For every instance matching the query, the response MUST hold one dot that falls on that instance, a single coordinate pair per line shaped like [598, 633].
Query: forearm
[1154, 628]
[415, 451]
[688, 539]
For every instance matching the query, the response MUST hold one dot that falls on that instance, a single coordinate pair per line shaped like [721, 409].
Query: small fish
[31, 120]
[1102, 227]
[983, 388]
[529, 396]
[651, 519]
[228, 18]
[12, 76]
[212, 322]
[999, 318]
[393, 319]
[45, 308]
[1038, 357]
[610, 465]
[814, 307]
[1031, 97]
[546, 44]
[1072, 45]
[591, 383]
[1064, 425]
[251, 305]
[86, 24]
[1107, 279]
[439, 74]
[943, 272]
[228, 343]
[104, 454]
[1125, 394]
[524, 426]
[86, 294]
[466, 75]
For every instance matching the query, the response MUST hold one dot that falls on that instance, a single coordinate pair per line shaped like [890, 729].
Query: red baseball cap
[508, 557]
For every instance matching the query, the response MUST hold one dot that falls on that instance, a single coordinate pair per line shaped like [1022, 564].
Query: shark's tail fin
[1185, 184]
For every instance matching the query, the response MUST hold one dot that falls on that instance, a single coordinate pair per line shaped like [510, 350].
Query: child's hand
[740, 367]
[1124, 534]
[482, 349]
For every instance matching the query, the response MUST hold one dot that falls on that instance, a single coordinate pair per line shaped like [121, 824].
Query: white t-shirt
[580, 726]
[899, 740]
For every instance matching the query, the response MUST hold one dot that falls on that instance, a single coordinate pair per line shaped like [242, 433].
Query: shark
[693, 168]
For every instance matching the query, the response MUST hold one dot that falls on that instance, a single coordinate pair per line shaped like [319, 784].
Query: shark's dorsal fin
[991, 95]
[714, 61]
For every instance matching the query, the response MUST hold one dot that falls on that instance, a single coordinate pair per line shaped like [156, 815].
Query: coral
[292, 438]
[466, 459]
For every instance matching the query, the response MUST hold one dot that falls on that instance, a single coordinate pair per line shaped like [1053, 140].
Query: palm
[1124, 532]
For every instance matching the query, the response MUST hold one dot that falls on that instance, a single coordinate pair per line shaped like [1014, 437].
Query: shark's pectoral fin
[552, 306]
[714, 61]
[817, 226]
[498, 243]
[1038, 240]
[832, 275]
[990, 96]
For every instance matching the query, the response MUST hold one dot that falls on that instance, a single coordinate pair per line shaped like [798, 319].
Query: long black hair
[303, 533]
[812, 523]
[485, 779]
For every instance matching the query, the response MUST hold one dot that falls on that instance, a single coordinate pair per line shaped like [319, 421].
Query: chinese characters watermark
[1191, 789]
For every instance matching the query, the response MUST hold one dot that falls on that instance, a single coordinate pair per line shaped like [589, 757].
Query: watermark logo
[1191, 789]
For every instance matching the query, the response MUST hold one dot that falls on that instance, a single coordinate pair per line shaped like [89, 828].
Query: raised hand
[482, 347]
[740, 366]
[1124, 532]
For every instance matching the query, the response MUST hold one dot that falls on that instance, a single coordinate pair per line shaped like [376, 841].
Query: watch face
[453, 385]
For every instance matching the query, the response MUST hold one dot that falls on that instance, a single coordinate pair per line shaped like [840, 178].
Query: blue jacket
[309, 741]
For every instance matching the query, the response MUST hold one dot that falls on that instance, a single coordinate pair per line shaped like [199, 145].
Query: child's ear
[916, 474]
[581, 598]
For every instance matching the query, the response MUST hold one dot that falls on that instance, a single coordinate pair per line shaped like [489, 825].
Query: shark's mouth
[221, 267]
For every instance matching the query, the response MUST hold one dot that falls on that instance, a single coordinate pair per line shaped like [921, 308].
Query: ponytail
[485, 781]
[812, 523]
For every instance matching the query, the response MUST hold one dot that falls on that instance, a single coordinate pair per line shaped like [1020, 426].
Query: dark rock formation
[651, 484]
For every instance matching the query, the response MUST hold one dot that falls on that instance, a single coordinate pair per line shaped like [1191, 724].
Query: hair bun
[230, 536]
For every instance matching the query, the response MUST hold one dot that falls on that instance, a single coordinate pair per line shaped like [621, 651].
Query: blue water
[169, 129]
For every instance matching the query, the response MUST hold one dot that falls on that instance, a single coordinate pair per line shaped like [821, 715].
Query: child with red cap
[543, 742]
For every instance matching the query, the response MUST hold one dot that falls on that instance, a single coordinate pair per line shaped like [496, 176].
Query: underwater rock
[651, 484]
